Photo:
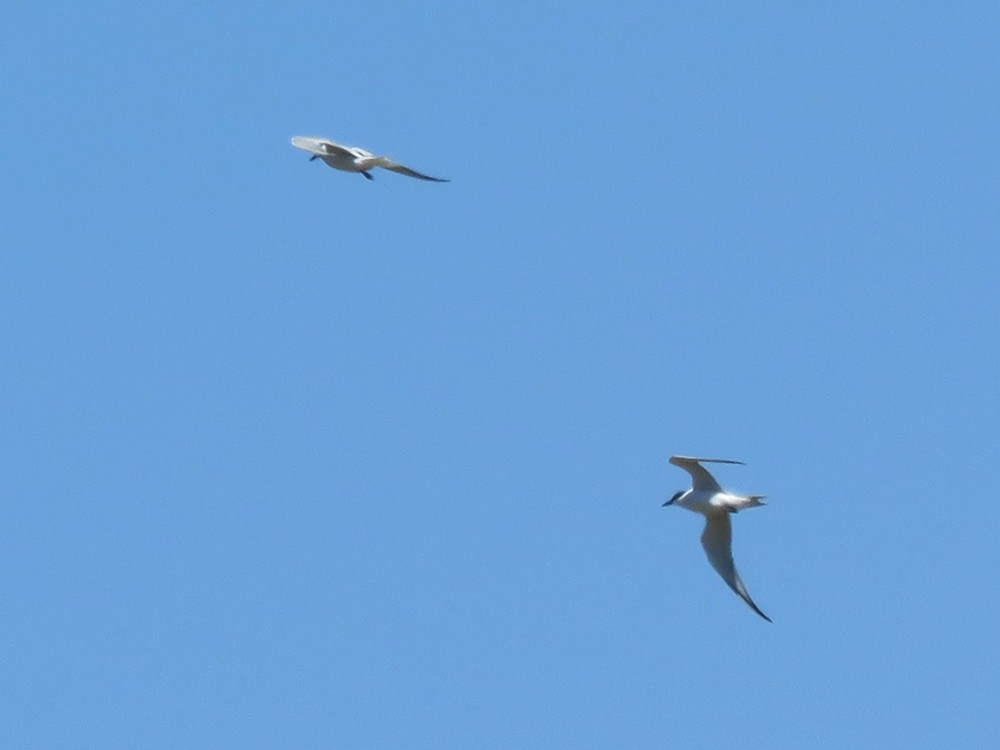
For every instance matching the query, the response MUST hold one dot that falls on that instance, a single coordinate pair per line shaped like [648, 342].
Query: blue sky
[294, 460]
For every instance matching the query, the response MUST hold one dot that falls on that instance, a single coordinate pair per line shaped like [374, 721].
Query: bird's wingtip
[678, 460]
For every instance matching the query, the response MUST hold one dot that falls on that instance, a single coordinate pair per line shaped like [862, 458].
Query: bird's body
[712, 501]
[709, 499]
[352, 158]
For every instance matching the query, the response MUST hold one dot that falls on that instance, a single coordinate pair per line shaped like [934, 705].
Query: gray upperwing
[399, 168]
[318, 146]
[333, 149]
[717, 539]
[701, 478]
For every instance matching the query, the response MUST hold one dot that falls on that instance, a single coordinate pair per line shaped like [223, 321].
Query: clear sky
[296, 460]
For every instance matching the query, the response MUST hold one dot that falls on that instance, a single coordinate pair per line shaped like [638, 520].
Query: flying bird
[352, 158]
[713, 502]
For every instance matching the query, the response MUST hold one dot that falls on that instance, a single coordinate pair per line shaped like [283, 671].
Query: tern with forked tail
[352, 158]
[707, 497]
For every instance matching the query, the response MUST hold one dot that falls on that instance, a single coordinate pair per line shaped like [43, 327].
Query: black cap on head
[672, 500]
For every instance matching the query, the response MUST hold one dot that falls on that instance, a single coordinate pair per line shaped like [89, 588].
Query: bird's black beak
[672, 500]
[314, 157]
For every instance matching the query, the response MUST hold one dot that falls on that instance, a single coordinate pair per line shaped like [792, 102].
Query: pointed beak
[669, 502]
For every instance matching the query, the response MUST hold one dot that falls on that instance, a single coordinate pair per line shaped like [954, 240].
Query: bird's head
[673, 500]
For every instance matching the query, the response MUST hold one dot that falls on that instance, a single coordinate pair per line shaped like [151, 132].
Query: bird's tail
[742, 502]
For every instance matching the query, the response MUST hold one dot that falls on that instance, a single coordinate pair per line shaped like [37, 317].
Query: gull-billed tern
[713, 502]
[352, 158]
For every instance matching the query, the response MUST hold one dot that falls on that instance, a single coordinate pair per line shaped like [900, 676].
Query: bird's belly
[345, 163]
[699, 501]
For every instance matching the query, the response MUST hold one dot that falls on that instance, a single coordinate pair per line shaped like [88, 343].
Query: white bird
[709, 499]
[352, 158]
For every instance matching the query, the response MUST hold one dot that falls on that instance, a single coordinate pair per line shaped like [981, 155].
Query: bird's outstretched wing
[399, 168]
[717, 539]
[700, 476]
[335, 149]
[320, 146]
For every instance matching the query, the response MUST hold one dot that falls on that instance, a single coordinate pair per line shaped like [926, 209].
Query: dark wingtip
[757, 610]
